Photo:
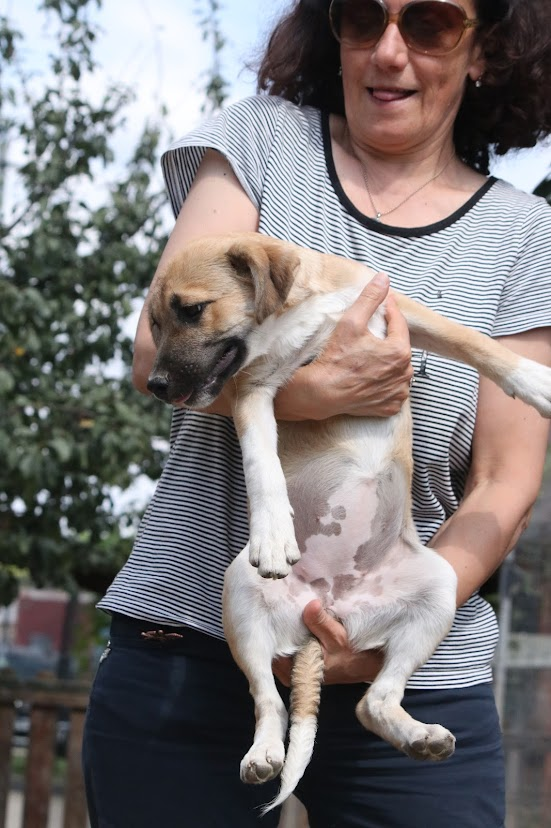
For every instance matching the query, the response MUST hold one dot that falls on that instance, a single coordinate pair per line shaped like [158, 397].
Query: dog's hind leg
[380, 709]
[251, 638]
[413, 638]
[264, 760]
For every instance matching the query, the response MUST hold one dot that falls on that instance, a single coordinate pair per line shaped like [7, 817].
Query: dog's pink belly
[350, 545]
[346, 589]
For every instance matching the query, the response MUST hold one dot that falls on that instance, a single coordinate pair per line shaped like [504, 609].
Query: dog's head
[203, 307]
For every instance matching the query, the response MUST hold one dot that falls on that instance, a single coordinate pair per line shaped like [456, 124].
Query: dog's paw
[432, 742]
[262, 763]
[272, 544]
[531, 382]
[273, 559]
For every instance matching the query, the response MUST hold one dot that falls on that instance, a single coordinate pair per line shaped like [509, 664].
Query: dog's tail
[306, 680]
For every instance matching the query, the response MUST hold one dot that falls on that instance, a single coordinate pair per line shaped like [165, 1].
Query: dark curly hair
[511, 110]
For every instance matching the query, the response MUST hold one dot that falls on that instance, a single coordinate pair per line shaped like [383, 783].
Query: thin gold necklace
[378, 213]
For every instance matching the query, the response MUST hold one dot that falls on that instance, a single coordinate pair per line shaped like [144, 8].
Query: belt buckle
[161, 636]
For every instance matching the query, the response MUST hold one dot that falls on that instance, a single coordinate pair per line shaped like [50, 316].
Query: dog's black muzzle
[195, 384]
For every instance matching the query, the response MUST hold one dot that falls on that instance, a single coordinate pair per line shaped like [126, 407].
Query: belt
[137, 632]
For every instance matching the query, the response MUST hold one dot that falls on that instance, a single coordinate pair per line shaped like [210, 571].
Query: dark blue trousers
[170, 719]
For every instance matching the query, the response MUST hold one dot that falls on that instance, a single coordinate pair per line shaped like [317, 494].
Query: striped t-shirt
[486, 266]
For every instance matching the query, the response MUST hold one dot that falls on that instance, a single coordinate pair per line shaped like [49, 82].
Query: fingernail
[380, 280]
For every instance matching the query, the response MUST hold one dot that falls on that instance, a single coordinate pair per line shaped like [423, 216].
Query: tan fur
[401, 451]
[306, 680]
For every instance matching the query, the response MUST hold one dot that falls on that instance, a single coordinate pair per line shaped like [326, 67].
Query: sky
[156, 47]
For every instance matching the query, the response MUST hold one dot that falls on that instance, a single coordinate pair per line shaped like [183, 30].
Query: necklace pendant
[378, 216]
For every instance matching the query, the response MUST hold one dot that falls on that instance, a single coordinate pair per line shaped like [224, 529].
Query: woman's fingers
[373, 294]
[343, 665]
[357, 373]
[329, 632]
[399, 340]
[397, 326]
[346, 348]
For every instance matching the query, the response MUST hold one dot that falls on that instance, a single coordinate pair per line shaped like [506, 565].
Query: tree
[71, 265]
[216, 87]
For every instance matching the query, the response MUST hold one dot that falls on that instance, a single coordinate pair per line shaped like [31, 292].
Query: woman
[373, 143]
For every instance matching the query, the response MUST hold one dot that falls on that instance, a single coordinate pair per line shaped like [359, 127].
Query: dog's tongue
[184, 398]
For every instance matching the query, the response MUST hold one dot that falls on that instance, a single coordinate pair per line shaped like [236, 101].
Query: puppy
[246, 301]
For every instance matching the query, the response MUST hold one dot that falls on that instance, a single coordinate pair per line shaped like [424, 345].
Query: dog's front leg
[273, 547]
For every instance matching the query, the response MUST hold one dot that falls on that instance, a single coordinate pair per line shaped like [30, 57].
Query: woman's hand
[357, 373]
[342, 664]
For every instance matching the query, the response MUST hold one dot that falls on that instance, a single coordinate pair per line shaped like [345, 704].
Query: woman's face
[399, 101]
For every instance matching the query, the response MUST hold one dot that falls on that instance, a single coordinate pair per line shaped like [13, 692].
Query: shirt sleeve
[243, 133]
[525, 301]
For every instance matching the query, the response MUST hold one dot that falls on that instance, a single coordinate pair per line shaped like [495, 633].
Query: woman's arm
[509, 446]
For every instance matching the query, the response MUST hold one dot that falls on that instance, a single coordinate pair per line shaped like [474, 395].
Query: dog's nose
[157, 384]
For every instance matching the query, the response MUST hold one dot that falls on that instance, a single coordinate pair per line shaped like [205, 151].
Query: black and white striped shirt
[486, 266]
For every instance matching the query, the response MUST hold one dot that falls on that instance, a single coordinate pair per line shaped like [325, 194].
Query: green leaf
[7, 382]
[63, 448]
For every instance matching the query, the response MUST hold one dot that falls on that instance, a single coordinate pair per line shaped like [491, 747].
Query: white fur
[531, 382]
[301, 746]
[272, 544]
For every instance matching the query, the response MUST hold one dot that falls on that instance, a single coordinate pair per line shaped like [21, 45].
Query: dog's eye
[190, 313]
[193, 312]
[187, 314]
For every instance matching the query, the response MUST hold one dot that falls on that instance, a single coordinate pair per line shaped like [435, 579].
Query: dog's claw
[262, 763]
[272, 546]
[273, 564]
[435, 743]
[274, 576]
[430, 742]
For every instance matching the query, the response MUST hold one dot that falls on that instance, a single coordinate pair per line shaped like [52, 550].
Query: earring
[339, 72]
[478, 82]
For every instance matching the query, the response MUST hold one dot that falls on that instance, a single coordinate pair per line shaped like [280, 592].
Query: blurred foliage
[216, 87]
[74, 255]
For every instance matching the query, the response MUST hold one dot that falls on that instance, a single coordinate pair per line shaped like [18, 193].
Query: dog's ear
[270, 267]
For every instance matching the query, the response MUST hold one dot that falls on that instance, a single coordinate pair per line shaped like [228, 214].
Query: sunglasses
[432, 27]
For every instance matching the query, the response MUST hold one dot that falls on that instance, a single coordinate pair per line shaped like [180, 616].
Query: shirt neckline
[389, 229]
